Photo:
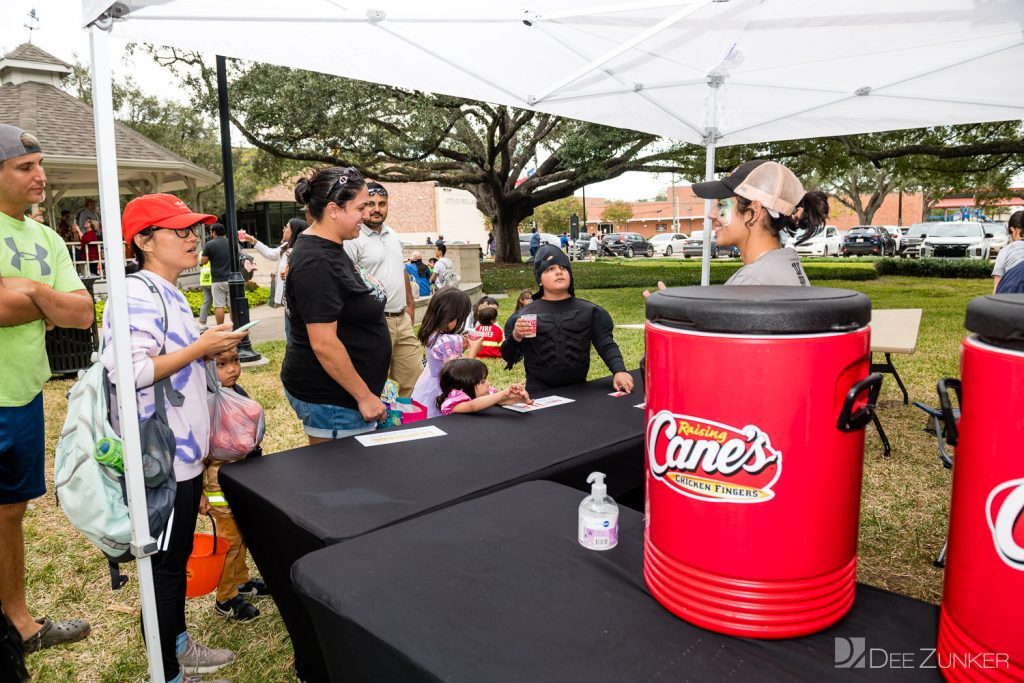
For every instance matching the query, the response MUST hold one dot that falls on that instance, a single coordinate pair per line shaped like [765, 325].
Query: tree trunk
[505, 218]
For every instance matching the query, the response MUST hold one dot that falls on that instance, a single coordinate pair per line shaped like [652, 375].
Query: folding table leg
[881, 434]
[899, 382]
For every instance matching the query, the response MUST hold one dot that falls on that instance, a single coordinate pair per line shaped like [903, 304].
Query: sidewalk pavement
[271, 327]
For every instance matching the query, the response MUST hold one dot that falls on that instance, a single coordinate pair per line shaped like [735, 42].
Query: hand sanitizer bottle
[599, 517]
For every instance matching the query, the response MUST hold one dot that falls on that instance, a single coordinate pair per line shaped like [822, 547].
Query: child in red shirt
[486, 316]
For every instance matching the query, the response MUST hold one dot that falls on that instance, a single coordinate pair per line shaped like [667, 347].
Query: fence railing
[88, 259]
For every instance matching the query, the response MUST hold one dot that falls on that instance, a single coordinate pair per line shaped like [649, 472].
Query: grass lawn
[903, 516]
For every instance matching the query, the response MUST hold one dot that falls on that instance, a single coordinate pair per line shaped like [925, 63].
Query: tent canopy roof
[788, 68]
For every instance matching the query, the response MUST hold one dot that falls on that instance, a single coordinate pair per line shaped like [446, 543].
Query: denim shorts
[22, 452]
[326, 421]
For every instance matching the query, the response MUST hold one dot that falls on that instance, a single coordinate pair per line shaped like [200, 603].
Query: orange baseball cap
[159, 211]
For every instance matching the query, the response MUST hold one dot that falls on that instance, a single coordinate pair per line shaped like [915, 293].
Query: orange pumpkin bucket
[205, 564]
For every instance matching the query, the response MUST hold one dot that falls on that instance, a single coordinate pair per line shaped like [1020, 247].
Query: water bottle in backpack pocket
[91, 492]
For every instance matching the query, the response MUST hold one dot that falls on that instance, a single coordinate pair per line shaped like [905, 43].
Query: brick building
[651, 218]
[417, 211]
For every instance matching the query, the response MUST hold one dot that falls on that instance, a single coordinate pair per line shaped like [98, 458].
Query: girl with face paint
[755, 204]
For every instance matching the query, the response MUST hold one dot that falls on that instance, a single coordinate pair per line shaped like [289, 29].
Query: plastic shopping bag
[237, 424]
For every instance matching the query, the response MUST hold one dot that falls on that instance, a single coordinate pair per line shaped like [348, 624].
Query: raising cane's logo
[1004, 511]
[711, 461]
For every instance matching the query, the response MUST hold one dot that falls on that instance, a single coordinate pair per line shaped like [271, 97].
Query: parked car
[668, 243]
[628, 244]
[524, 242]
[910, 245]
[824, 242]
[869, 239]
[694, 246]
[578, 248]
[959, 239]
[998, 237]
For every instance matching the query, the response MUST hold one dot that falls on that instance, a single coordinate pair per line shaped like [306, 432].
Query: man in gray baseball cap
[39, 288]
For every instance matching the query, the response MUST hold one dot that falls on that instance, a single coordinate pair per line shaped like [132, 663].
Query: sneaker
[203, 327]
[189, 678]
[254, 587]
[237, 608]
[199, 659]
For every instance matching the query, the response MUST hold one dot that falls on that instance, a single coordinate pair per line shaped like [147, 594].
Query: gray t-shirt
[775, 267]
[1008, 257]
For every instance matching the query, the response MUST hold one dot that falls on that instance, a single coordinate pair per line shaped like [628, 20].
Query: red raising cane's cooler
[981, 625]
[756, 402]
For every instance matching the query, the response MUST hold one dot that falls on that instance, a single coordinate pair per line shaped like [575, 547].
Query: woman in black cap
[757, 202]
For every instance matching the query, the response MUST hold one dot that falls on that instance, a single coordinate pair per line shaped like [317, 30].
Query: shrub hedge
[935, 267]
[613, 274]
[257, 296]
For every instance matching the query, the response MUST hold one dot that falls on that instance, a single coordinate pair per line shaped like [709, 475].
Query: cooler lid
[997, 318]
[756, 309]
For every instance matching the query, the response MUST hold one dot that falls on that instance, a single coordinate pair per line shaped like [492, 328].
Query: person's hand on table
[522, 328]
[661, 286]
[623, 381]
[372, 409]
[518, 393]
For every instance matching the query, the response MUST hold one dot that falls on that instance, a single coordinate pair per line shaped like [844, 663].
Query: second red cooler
[756, 402]
[981, 626]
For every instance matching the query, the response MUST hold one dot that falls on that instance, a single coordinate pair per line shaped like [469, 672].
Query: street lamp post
[236, 284]
[675, 215]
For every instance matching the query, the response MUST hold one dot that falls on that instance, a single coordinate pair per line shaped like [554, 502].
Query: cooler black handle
[948, 419]
[850, 420]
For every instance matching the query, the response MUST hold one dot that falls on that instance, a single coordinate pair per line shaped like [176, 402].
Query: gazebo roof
[64, 126]
[30, 53]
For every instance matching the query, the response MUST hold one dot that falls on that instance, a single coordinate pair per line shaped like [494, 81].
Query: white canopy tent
[711, 72]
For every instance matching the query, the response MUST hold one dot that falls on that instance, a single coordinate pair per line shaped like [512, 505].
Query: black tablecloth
[292, 503]
[498, 589]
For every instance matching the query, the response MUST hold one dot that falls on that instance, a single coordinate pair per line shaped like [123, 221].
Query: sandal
[56, 633]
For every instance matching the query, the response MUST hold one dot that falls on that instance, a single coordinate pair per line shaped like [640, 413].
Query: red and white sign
[710, 461]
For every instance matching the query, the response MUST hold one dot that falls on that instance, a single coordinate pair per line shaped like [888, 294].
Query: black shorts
[22, 452]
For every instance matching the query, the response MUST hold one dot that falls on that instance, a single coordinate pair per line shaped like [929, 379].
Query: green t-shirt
[30, 250]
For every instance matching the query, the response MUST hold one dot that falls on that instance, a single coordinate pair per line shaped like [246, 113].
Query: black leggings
[169, 571]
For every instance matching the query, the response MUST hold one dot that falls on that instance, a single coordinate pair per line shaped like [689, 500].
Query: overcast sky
[60, 35]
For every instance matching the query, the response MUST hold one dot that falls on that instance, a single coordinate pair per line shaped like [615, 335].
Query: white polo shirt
[380, 254]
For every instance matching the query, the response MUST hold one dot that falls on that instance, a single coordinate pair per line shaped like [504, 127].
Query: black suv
[869, 239]
[628, 244]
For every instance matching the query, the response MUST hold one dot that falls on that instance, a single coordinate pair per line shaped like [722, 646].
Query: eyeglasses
[182, 233]
[379, 191]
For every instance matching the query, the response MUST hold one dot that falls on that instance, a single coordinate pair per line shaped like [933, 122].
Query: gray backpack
[93, 495]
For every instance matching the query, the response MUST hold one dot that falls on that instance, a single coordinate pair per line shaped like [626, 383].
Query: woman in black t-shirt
[339, 350]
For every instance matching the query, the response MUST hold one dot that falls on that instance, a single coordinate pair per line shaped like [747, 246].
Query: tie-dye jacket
[191, 422]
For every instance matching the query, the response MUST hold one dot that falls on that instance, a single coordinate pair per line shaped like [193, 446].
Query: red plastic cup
[532, 319]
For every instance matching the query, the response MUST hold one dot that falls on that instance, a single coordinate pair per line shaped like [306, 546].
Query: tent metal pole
[710, 138]
[236, 284]
[143, 545]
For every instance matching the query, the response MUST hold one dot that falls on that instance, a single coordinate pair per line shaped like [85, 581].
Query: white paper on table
[539, 404]
[389, 437]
